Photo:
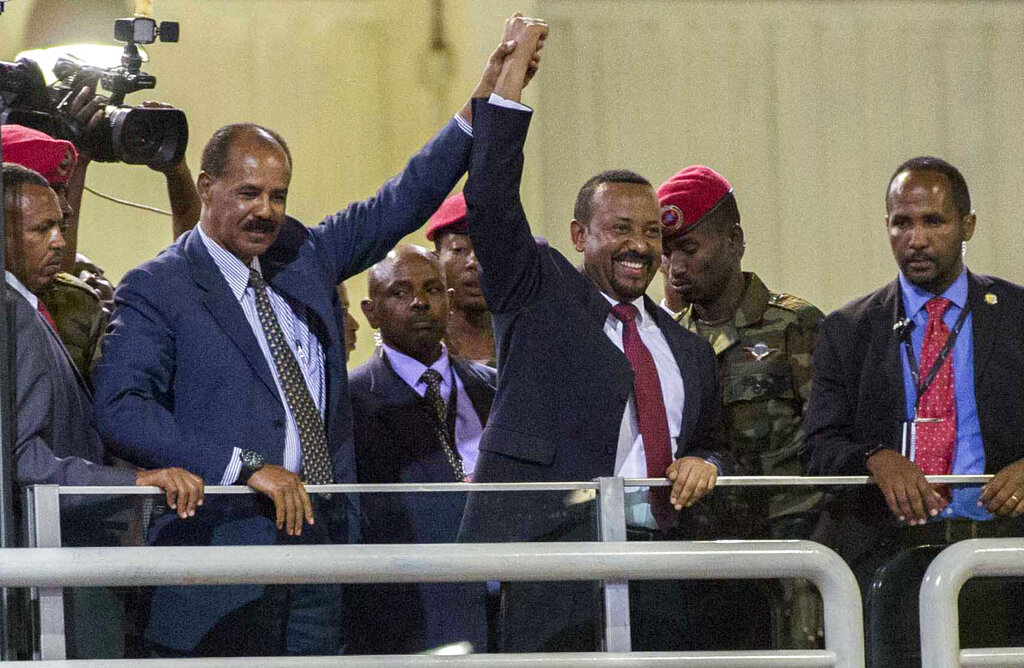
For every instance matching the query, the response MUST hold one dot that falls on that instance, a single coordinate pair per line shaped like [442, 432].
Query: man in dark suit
[923, 376]
[407, 433]
[594, 378]
[225, 354]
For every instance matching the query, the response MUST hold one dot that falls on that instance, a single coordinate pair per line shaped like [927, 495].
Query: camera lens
[155, 137]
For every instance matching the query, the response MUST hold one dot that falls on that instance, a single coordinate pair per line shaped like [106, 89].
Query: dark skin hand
[285, 489]
[692, 478]
[909, 496]
[184, 490]
[1003, 495]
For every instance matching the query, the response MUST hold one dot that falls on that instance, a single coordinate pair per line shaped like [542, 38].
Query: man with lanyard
[922, 377]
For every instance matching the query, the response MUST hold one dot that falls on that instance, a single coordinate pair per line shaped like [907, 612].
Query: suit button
[278, 423]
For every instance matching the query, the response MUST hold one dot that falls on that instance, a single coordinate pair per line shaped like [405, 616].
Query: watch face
[251, 460]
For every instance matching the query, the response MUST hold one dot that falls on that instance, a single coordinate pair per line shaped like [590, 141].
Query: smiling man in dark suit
[924, 376]
[417, 413]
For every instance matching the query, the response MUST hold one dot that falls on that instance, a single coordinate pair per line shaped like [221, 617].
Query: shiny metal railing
[940, 589]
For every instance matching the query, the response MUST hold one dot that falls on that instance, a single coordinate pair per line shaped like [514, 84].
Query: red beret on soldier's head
[688, 197]
[451, 217]
[53, 158]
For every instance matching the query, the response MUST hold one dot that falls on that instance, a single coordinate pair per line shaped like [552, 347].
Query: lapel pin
[991, 299]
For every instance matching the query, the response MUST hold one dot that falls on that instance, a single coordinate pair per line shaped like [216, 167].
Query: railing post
[42, 509]
[611, 497]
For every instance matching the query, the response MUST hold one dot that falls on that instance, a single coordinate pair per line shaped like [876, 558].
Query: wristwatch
[252, 461]
[870, 451]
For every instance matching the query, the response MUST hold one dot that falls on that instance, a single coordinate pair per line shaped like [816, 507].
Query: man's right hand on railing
[285, 489]
[184, 490]
[909, 495]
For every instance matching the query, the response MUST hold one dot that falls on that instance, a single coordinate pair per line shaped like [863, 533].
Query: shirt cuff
[234, 468]
[499, 101]
[463, 125]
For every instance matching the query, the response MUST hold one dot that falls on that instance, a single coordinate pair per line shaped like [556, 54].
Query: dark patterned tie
[433, 380]
[316, 464]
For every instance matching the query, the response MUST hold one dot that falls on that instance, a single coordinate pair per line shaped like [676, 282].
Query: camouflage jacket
[764, 362]
[80, 318]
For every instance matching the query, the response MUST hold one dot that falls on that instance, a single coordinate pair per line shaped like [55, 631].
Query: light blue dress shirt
[969, 456]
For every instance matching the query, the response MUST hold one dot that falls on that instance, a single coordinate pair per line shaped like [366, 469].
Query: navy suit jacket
[857, 400]
[182, 380]
[396, 443]
[562, 384]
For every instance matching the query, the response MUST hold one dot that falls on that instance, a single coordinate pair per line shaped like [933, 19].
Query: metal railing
[940, 589]
[282, 564]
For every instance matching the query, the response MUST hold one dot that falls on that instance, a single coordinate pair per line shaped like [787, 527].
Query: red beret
[688, 197]
[53, 158]
[451, 217]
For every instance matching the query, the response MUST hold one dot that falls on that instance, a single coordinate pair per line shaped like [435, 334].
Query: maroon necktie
[45, 312]
[650, 410]
[935, 441]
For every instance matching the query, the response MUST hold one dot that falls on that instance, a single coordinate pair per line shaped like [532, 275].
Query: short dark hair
[926, 163]
[215, 154]
[584, 198]
[15, 178]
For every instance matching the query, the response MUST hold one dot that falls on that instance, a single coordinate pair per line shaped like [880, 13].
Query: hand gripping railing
[281, 564]
[940, 589]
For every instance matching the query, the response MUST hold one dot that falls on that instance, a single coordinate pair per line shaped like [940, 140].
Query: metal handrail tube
[392, 488]
[940, 589]
[287, 564]
[746, 659]
[992, 657]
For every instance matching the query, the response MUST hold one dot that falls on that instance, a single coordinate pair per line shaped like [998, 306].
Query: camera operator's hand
[181, 188]
[88, 109]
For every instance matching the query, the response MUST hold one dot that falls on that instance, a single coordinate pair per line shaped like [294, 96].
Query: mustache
[259, 225]
[633, 256]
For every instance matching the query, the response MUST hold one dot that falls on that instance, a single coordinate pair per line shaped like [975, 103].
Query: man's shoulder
[856, 309]
[1000, 285]
[790, 308]
[468, 369]
[66, 287]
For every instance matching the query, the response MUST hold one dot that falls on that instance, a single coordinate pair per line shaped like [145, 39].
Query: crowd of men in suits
[498, 360]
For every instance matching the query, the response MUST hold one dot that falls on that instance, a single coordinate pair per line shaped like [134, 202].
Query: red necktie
[650, 411]
[45, 312]
[936, 441]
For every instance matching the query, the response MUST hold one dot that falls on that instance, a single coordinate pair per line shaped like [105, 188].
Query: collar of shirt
[642, 318]
[235, 272]
[411, 370]
[914, 298]
[13, 281]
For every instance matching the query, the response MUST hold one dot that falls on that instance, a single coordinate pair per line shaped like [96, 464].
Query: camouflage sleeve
[800, 339]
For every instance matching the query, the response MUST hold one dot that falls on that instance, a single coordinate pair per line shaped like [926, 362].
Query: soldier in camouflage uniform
[80, 318]
[763, 341]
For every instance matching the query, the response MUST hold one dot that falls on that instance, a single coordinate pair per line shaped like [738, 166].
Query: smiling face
[621, 243]
[926, 232]
[408, 303]
[36, 262]
[244, 207]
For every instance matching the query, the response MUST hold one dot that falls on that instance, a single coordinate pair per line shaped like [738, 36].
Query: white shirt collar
[235, 272]
[641, 318]
[13, 281]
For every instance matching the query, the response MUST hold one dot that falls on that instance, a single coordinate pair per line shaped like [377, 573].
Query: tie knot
[937, 307]
[625, 312]
[431, 377]
[255, 280]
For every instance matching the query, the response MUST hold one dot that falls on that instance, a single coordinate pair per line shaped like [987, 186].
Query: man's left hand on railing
[1003, 495]
[184, 490]
[692, 478]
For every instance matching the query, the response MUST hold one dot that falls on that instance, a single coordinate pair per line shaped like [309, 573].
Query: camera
[134, 135]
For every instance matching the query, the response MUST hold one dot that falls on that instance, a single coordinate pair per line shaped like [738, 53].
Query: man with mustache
[417, 411]
[469, 334]
[924, 376]
[763, 341]
[56, 441]
[225, 354]
[595, 379]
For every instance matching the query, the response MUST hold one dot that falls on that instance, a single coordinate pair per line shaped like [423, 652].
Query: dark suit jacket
[56, 442]
[395, 443]
[858, 400]
[562, 384]
[182, 380]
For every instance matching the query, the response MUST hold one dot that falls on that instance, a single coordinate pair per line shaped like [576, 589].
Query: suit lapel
[985, 320]
[480, 393]
[885, 343]
[225, 309]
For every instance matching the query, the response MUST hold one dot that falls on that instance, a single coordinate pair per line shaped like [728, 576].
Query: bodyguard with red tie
[924, 376]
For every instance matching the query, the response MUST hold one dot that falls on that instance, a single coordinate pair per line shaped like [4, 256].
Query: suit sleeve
[504, 246]
[709, 441]
[360, 235]
[829, 447]
[134, 387]
[35, 462]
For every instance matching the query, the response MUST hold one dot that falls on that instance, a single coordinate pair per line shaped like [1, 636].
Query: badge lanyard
[921, 385]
